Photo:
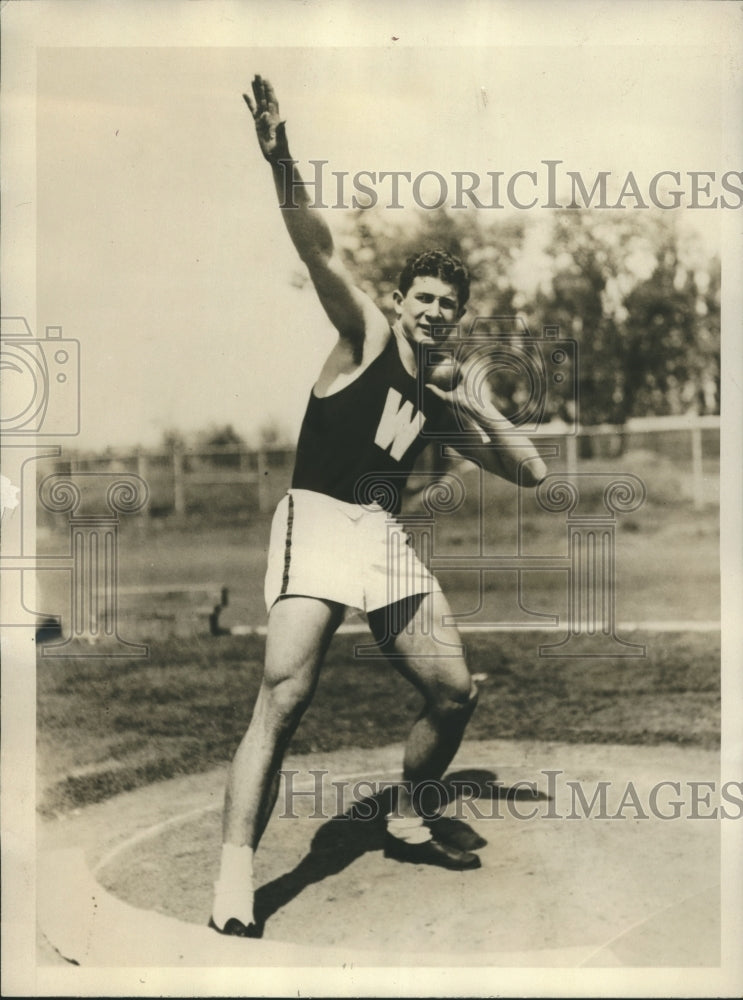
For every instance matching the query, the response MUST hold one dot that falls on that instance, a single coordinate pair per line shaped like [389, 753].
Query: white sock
[408, 828]
[233, 890]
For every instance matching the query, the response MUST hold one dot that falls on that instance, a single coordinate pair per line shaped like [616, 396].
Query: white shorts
[322, 547]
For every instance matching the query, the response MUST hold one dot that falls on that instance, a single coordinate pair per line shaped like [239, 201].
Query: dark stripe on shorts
[288, 545]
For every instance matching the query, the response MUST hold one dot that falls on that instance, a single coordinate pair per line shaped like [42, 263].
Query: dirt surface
[628, 889]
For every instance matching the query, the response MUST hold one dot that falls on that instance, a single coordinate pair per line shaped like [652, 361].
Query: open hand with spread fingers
[269, 126]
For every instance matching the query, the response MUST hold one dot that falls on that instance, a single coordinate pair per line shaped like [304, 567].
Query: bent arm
[503, 451]
[350, 311]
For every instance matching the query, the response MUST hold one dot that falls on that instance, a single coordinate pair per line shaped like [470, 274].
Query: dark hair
[437, 264]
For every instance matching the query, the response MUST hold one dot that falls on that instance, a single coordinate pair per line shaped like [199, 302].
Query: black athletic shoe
[235, 928]
[455, 833]
[431, 852]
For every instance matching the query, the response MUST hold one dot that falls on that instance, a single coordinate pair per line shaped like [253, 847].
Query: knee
[286, 699]
[455, 702]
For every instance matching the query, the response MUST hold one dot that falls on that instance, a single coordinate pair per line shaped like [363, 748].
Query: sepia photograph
[371, 498]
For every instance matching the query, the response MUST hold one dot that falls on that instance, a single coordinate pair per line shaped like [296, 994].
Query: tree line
[638, 295]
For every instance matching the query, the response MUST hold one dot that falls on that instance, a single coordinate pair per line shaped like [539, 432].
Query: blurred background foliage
[639, 295]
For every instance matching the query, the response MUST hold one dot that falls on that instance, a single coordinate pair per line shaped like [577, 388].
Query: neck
[409, 351]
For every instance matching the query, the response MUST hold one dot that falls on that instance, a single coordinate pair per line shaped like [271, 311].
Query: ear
[397, 298]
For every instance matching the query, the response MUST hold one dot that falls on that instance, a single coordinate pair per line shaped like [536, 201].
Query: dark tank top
[360, 443]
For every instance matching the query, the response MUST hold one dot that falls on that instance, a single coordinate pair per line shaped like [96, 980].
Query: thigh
[314, 550]
[299, 632]
[410, 634]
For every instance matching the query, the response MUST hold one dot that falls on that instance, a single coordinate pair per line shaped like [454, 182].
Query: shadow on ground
[345, 838]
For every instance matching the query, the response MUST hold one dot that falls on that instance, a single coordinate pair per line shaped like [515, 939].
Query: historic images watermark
[548, 796]
[545, 185]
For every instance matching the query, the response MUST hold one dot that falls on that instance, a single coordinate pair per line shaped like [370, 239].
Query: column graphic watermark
[94, 557]
[590, 563]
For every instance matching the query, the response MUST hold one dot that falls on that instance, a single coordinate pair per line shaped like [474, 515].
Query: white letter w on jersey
[399, 425]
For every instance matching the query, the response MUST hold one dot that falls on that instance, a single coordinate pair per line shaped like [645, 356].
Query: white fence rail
[690, 424]
[179, 474]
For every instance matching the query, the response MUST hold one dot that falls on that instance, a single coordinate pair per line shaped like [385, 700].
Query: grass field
[667, 555]
[105, 726]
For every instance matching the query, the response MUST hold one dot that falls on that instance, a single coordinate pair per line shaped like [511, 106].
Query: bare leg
[299, 631]
[445, 682]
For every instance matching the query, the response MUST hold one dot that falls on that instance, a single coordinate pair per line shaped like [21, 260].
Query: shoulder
[347, 361]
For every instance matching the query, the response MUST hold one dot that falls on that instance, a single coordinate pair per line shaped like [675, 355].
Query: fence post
[571, 447]
[142, 472]
[696, 467]
[264, 500]
[179, 493]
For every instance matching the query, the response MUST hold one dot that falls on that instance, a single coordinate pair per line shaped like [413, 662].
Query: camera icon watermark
[40, 381]
[41, 400]
[531, 380]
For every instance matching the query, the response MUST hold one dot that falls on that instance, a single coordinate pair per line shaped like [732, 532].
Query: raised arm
[350, 311]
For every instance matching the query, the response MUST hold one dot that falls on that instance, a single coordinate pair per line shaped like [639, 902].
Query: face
[428, 303]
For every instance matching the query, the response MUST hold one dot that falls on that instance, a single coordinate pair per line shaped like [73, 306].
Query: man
[330, 543]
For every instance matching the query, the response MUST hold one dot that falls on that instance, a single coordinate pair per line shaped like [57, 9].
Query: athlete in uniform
[331, 536]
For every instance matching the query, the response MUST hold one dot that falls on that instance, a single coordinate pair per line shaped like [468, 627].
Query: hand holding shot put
[330, 546]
